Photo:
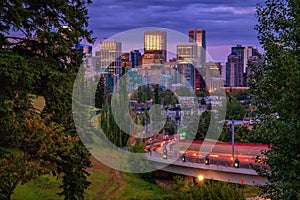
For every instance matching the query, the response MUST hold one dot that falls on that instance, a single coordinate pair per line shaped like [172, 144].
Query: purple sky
[227, 23]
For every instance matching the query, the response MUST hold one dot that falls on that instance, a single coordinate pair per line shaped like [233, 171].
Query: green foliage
[241, 135]
[99, 94]
[240, 94]
[41, 62]
[235, 110]
[110, 128]
[204, 122]
[170, 126]
[203, 102]
[44, 187]
[276, 86]
[206, 190]
[131, 187]
[138, 147]
[209, 106]
[136, 162]
[182, 188]
[143, 94]
[183, 91]
[168, 98]
[202, 93]
[156, 98]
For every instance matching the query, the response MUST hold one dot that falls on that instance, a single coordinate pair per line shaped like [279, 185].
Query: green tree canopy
[41, 61]
[276, 86]
[235, 110]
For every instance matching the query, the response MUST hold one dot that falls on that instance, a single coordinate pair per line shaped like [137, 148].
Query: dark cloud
[226, 22]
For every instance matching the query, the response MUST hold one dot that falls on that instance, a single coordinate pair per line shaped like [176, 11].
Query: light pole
[178, 125]
[145, 131]
[232, 138]
[151, 137]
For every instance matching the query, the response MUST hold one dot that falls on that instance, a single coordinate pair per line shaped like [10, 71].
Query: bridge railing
[214, 162]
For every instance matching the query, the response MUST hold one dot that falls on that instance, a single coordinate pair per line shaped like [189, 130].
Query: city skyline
[226, 23]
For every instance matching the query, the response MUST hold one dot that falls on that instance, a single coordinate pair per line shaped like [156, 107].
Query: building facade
[234, 70]
[198, 36]
[111, 57]
[237, 69]
[135, 58]
[155, 48]
[187, 60]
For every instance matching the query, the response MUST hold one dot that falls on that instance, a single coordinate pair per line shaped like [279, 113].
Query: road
[219, 153]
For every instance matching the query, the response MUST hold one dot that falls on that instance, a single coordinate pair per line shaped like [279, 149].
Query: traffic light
[183, 134]
[207, 160]
[236, 163]
[165, 155]
[183, 157]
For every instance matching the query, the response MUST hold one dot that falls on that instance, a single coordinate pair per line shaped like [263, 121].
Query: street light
[165, 154]
[207, 160]
[177, 117]
[183, 157]
[200, 178]
[236, 163]
[232, 137]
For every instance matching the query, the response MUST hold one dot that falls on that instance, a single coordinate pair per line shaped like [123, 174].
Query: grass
[251, 191]
[137, 188]
[133, 187]
[97, 184]
[45, 187]
[104, 185]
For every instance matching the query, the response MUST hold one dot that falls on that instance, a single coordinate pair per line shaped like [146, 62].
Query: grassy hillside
[106, 184]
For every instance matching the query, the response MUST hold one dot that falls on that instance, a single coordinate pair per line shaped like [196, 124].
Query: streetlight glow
[200, 178]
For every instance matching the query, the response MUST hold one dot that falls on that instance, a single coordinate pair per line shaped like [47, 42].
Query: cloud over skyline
[227, 23]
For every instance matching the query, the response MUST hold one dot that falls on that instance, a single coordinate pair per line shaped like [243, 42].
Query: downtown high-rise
[237, 69]
[110, 56]
[198, 36]
[155, 47]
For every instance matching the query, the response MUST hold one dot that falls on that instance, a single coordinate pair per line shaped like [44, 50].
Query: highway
[219, 153]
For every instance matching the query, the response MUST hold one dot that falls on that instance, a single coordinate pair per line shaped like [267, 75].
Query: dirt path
[114, 183]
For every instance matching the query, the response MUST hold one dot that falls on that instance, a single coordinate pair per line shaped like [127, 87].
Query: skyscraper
[135, 57]
[198, 36]
[126, 63]
[234, 70]
[110, 55]
[155, 47]
[187, 59]
[242, 51]
[237, 68]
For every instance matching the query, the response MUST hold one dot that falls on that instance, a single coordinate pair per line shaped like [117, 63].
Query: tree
[276, 86]
[99, 94]
[137, 162]
[156, 99]
[143, 94]
[206, 189]
[42, 62]
[235, 110]
[168, 97]
[183, 91]
[110, 127]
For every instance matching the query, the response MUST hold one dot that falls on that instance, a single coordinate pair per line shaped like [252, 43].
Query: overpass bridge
[215, 172]
[218, 170]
